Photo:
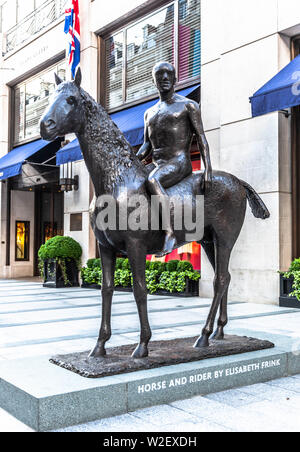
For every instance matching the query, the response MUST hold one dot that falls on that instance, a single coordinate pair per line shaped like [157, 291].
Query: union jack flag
[72, 28]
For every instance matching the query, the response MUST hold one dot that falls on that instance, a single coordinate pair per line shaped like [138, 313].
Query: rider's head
[164, 76]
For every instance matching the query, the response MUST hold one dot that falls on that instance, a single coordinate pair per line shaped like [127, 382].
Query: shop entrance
[49, 217]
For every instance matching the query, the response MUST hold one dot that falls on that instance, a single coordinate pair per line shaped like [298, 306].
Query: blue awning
[11, 163]
[281, 92]
[129, 121]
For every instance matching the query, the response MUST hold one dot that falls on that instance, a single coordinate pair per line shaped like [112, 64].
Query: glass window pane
[114, 59]
[37, 99]
[31, 100]
[148, 42]
[19, 113]
[189, 39]
[61, 70]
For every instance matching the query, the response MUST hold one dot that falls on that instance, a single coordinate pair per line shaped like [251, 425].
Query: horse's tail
[258, 207]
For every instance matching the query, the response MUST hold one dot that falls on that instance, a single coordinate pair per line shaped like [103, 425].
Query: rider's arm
[196, 120]
[146, 149]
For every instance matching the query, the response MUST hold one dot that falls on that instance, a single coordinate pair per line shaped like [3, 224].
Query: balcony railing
[35, 22]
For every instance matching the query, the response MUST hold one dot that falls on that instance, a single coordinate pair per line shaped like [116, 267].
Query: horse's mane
[108, 148]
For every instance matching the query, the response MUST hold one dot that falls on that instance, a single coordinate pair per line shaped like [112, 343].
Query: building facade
[238, 47]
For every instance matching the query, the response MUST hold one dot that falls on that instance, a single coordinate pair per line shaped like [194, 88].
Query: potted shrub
[175, 277]
[290, 286]
[60, 261]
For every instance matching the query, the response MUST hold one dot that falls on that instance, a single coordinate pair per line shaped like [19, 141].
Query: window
[22, 240]
[171, 33]
[31, 99]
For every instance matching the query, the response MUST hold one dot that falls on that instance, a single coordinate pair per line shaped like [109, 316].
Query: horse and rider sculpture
[116, 171]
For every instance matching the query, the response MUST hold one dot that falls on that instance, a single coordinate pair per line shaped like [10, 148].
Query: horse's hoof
[98, 352]
[202, 342]
[218, 335]
[140, 352]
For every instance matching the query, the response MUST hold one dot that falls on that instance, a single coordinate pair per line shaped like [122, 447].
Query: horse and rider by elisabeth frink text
[116, 171]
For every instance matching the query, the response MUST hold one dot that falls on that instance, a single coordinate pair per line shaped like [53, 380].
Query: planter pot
[53, 275]
[191, 289]
[286, 287]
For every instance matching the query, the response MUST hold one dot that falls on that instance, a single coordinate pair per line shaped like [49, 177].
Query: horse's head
[65, 112]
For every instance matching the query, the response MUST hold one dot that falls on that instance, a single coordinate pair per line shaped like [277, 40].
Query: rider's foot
[170, 243]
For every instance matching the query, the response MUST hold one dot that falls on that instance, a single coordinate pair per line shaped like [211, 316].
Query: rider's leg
[156, 189]
[160, 177]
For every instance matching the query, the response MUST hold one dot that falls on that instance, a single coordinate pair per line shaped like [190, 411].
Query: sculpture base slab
[48, 397]
[161, 353]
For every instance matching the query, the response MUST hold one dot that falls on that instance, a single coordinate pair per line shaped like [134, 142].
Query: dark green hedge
[169, 276]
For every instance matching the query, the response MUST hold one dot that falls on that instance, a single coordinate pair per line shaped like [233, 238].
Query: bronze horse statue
[114, 168]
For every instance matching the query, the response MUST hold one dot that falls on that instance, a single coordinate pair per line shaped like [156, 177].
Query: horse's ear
[78, 77]
[58, 80]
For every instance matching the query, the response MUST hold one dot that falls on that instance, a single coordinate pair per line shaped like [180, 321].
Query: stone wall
[241, 50]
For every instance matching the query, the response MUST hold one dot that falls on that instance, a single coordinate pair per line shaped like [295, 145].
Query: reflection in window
[31, 100]
[114, 55]
[22, 240]
[189, 40]
[147, 42]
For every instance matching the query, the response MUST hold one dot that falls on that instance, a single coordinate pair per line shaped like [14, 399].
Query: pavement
[37, 321]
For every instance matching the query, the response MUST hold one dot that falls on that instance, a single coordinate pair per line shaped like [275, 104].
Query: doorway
[49, 218]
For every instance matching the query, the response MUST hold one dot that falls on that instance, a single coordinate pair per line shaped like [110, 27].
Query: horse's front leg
[108, 263]
[136, 251]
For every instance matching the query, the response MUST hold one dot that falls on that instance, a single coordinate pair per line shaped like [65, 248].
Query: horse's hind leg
[108, 262]
[223, 319]
[221, 284]
[137, 258]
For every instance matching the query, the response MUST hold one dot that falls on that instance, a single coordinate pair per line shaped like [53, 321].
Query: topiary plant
[61, 249]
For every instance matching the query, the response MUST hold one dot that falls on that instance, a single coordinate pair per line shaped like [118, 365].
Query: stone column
[4, 143]
[237, 59]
